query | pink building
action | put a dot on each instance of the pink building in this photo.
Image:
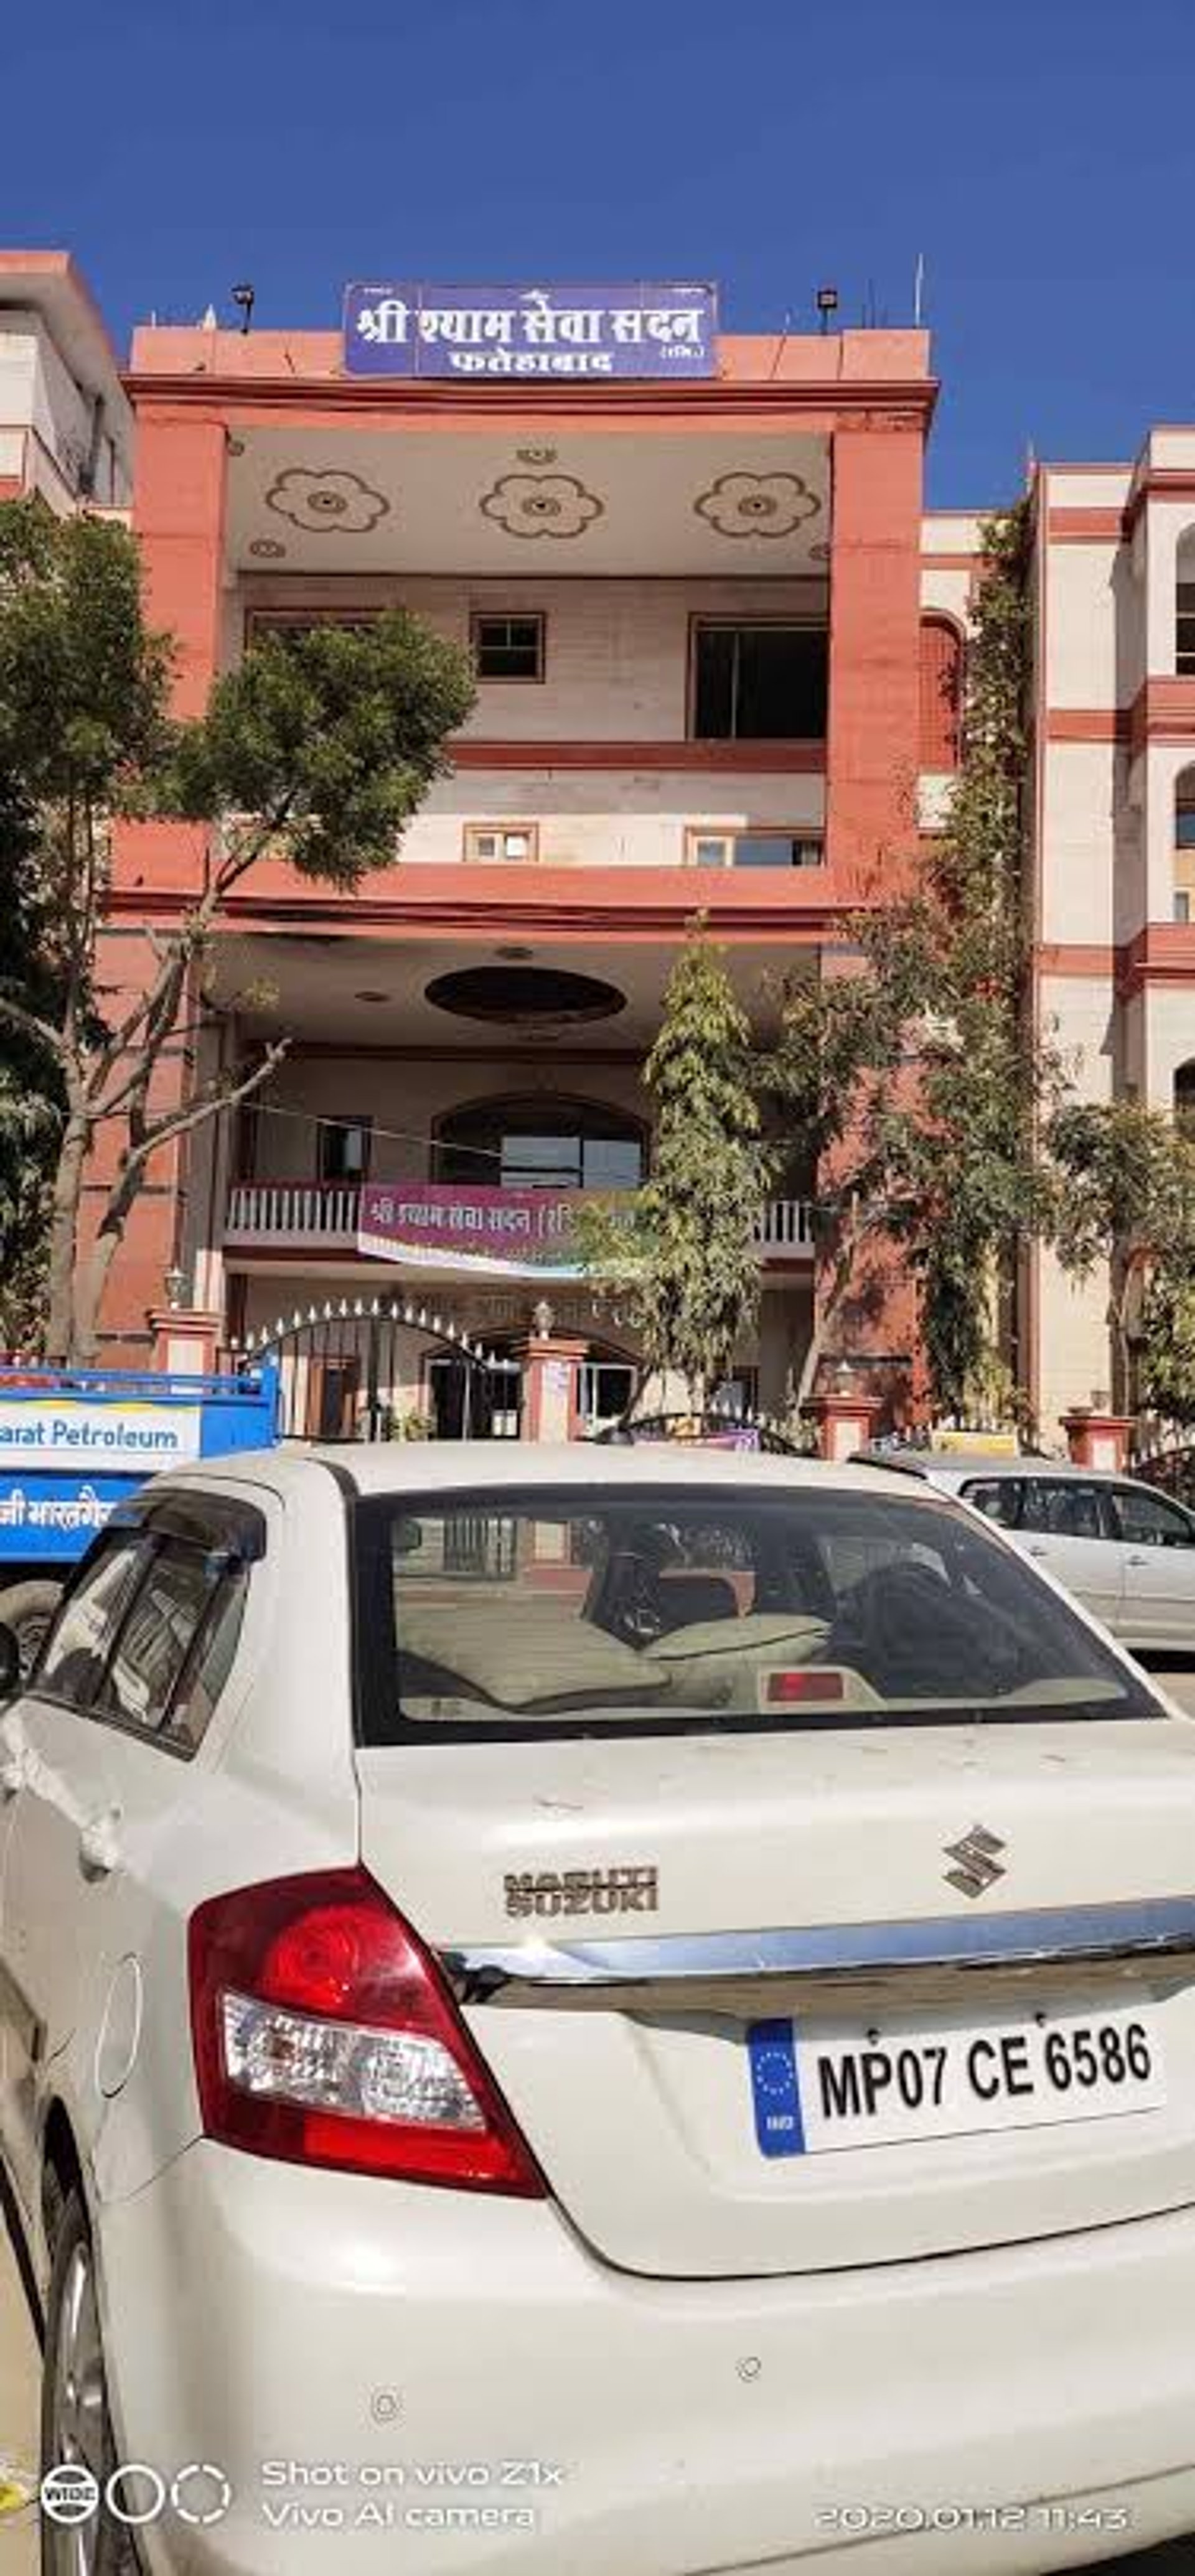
(701, 607)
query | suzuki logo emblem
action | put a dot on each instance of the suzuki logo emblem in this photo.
(978, 1867)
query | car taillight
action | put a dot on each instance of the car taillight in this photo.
(794, 1689)
(324, 2035)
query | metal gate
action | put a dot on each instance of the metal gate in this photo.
(342, 1374)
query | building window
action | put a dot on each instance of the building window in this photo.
(1184, 810)
(344, 1148)
(762, 849)
(502, 842)
(509, 648)
(540, 1144)
(1182, 905)
(941, 694)
(761, 682)
(1184, 635)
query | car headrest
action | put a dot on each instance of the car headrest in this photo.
(688, 1600)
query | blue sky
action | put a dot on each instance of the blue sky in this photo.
(1037, 152)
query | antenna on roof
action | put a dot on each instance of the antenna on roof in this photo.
(918, 289)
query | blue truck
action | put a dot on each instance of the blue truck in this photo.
(75, 1442)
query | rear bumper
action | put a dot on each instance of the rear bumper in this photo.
(393, 2376)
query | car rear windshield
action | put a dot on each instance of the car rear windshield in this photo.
(679, 1609)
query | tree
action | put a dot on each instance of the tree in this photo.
(317, 749)
(1126, 1199)
(30, 1108)
(1166, 1346)
(687, 1248)
(918, 1079)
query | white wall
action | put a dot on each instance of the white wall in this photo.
(617, 652)
(38, 393)
(1078, 845)
(407, 1099)
(1081, 627)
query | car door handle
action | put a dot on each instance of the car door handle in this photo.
(1136, 1560)
(99, 1843)
(1037, 1551)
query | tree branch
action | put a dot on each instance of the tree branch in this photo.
(217, 1095)
(40, 1031)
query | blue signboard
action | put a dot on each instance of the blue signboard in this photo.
(75, 1443)
(500, 331)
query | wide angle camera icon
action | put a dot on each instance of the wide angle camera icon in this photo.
(135, 2494)
(69, 2493)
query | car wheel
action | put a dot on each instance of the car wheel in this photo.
(76, 2429)
(27, 1608)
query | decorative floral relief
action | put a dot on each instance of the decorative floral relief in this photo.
(236, 447)
(757, 505)
(333, 502)
(541, 505)
(536, 455)
(267, 548)
(819, 554)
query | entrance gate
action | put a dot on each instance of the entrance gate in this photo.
(345, 1370)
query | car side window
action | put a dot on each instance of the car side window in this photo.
(176, 1644)
(1066, 1508)
(80, 1640)
(997, 1497)
(1150, 1521)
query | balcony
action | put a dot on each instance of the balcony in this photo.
(323, 1218)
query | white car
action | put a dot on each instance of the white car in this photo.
(598, 2009)
(1123, 1549)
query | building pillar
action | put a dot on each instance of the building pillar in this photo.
(186, 1340)
(843, 1423)
(179, 514)
(871, 776)
(875, 631)
(179, 519)
(1098, 1439)
(551, 1391)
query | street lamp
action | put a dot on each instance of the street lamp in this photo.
(174, 1282)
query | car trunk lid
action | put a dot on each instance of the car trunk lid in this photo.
(646, 1933)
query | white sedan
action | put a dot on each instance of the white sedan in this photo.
(596, 2009)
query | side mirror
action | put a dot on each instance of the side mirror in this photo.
(408, 1537)
(10, 1662)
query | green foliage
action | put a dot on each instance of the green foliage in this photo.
(316, 749)
(1126, 1185)
(915, 1078)
(686, 1248)
(332, 736)
(1166, 1346)
(1125, 1196)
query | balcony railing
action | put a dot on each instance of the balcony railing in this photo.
(313, 1216)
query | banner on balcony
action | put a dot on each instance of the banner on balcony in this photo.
(520, 1234)
(479, 331)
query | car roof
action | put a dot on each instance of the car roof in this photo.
(451, 1466)
(953, 1465)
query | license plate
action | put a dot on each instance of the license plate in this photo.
(817, 2086)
